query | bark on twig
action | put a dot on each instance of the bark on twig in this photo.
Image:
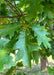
(9, 16)
(14, 3)
(17, 9)
(18, 16)
(12, 8)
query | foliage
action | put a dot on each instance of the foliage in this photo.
(14, 70)
(5, 59)
(50, 70)
(26, 28)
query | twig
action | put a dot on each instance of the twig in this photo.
(10, 16)
(13, 6)
(14, 3)
(18, 16)
(17, 7)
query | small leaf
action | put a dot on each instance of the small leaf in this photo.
(5, 60)
(36, 56)
(9, 30)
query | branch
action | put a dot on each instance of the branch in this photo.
(17, 7)
(9, 16)
(13, 6)
(13, 16)
(14, 3)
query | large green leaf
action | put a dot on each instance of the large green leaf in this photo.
(41, 34)
(24, 52)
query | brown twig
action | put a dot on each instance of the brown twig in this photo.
(10, 16)
(18, 16)
(13, 6)
(14, 3)
(17, 7)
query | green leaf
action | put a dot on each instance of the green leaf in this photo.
(33, 47)
(5, 60)
(33, 6)
(12, 42)
(3, 42)
(36, 56)
(22, 46)
(50, 70)
(41, 34)
(1, 1)
(9, 30)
